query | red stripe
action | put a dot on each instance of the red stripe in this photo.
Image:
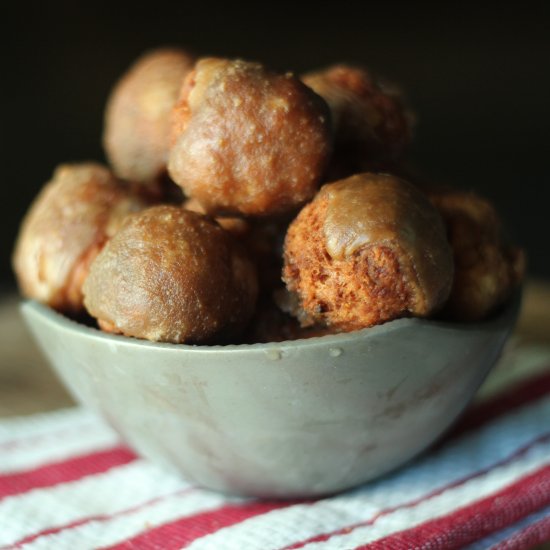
(64, 471)
(95, 519)
(477, 520)
(412, 503)
(517, 396)
(181, 532)
(535, 533)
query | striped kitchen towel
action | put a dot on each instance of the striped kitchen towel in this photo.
(67, 482)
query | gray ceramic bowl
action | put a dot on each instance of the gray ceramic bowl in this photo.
(290, 419)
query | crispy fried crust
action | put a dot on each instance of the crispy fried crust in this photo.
(487, 269)
(366, 250)
(137, 117)
(172, 275)
(247, 140)
(372, 127)
(66, 226)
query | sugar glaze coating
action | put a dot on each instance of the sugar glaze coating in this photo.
(248, 140)
(172, 275)
(366, 250)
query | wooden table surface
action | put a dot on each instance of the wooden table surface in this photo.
(27, 385)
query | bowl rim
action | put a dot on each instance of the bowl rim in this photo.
(505, 317)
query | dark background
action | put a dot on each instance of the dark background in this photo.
(478, 78)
